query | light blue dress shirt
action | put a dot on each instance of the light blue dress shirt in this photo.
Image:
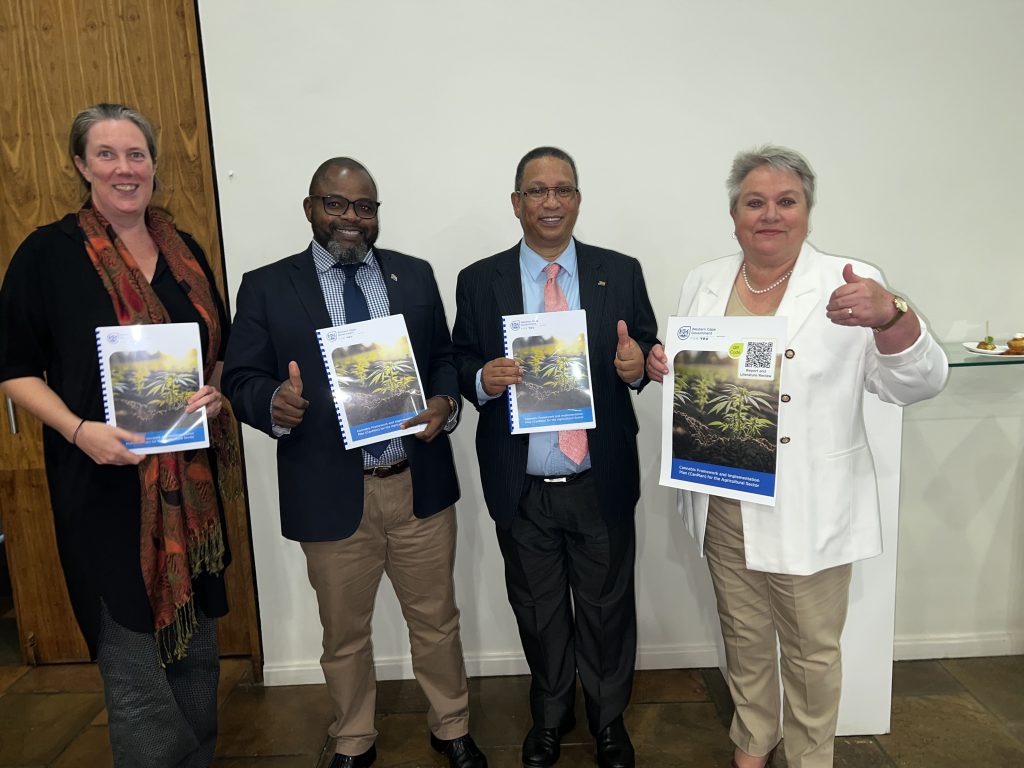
(545, 459)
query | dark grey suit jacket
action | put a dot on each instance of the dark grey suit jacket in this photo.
(279, 308)
(611, 289)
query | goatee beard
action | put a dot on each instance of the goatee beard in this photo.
(354, 254)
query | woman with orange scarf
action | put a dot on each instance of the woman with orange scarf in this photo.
(141, 538)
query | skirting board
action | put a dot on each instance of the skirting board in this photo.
(916, 647)
(907, 648)
(491, 665)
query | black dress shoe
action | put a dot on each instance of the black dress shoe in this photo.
(355, 761)
(614, 749)
(543, 745)
(461, 752)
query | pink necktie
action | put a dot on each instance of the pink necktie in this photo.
(571, 442)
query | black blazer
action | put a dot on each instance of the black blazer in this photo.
(279, 308)
(611, 289)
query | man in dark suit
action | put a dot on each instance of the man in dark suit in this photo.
(563, 503)
(357, 513)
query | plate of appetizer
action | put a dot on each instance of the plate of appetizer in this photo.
(985, 347)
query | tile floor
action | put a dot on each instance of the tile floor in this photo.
(962, 712)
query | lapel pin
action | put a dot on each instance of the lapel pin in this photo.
(601, 283)
(394, 277)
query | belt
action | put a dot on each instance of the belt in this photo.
(561, 478)
(388, 469)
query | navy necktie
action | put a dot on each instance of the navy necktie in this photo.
(356, 310)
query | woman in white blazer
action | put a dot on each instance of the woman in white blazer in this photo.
(783, 573)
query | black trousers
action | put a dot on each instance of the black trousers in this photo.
(159, 717)
(569, 576)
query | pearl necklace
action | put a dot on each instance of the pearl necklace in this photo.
(759, 291)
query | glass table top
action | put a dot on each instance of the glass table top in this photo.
(960, 357)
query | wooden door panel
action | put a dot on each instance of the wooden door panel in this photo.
(46, 629)
(60, 56)
(238, 632)
(24, 449)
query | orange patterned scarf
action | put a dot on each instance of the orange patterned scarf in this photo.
(181, 530)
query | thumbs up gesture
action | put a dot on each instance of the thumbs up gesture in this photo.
(859, 301)
(288, 406)
(629, 358)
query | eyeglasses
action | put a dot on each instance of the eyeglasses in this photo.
(541, 193)
(335, 205)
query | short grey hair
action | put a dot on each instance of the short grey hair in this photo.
(97, 113)
(779, 158)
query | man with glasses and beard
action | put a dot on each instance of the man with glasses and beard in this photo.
(564, 501)
(388, 507)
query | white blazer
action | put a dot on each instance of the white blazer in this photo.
(826, 506)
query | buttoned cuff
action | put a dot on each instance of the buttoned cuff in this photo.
(481, 396)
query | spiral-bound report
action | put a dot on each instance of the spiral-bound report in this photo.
(374, 379)
(148, 373)
(551, 349)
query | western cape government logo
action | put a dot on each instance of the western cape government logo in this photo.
(331, 336)
(683, 333)
(112, 338)
(514, 325)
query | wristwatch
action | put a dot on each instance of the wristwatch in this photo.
(901, 309)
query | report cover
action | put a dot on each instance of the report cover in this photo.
(373, 375)
(551, 348)
(148, 373)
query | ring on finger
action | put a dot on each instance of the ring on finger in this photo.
(849, 311)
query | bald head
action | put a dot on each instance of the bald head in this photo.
(337, 164)
(344, 184)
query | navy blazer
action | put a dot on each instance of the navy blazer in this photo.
(611, 289)
(279, 308)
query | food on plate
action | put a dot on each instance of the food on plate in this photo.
(1016, 344)
(987, 343)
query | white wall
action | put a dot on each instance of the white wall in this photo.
(911, 114)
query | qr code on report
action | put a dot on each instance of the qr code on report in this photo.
(758, 361)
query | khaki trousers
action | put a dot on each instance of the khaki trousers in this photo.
(418, 556)
(807, 615)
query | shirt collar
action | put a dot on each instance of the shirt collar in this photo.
(323, 260)
(533, 264)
